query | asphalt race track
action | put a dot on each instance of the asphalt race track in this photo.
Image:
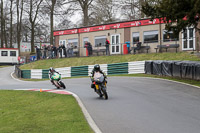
(135, 105)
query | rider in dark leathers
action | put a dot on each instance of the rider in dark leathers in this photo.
(97, 69)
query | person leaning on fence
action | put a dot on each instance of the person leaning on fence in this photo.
(138, 46)
(107, 47)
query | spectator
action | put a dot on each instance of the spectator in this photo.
(128, 45)
(107, 47)
(45, 51)
(54, 51)
(52, 54)
(68, 50)
(37, 52)
(72, 49)
(86, 44)
(89, 48)
(138, 46)
(64, 49)
(49, 51)
(60, 50)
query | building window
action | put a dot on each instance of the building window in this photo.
(4, 53)
(188, 39)
(100, 41)
(74, 41)
(169, 36)
(12, 53)
(62, 42)
(150, 36)
(136, 37)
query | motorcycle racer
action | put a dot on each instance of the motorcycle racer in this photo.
(96, 69)
(51, 72)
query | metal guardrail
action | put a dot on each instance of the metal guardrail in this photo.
(17, 71)
(109, 69)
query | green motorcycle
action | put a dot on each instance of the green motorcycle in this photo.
(56, 78)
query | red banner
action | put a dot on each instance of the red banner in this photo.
(65, 32)
(109, 27)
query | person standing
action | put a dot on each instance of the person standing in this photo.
(64, 50)
(60, 50)
(107, 47)
(128, 46)
(72, 49)
(37, 52)
(89, 48)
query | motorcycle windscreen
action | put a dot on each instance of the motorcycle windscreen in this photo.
(98, 77)
(56, 76)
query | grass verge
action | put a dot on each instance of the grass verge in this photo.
(68, 62)
(40, 112)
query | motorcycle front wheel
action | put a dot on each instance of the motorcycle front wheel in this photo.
(62, 84)
(105, 95)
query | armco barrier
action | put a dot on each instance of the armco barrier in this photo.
(118, 68)
(109, 69)
(36, 73)
(79, 71)
(26, 74)
(45, 74)
(136, 67)
(65, 72)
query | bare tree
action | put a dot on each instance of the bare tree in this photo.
(51, 7)
(2, 24)
(103, 11)
(20, 9)
(84, 5)
(34, 6)
(132, 9)
(11, 22)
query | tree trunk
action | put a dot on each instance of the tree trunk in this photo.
(5, 34)
(140, 8)
(85, 14)
(51, 20)
(19, 22)
(32, 38)
(2, 24)
(11, 18)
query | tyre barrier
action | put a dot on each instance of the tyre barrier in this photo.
(181, 69)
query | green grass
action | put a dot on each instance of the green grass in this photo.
(68, 62)
(40, 112)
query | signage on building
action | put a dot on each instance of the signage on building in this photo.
(109, 26)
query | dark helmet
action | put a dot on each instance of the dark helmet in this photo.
(97, 67)
(51, 69)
